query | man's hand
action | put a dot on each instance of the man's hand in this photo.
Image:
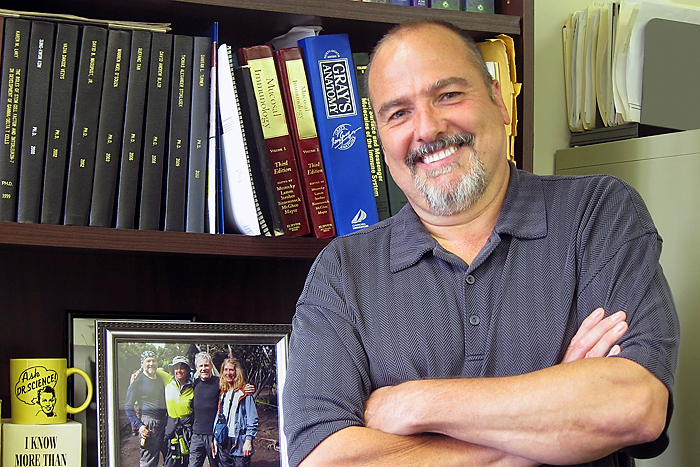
(249, 390)
(144, 431)
(597, 337)
(384, 412)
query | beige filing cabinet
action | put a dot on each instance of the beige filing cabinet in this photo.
(665, 169)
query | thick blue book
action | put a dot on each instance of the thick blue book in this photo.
(333, 88)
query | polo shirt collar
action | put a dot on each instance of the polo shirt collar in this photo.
(409, 239)
(522, 216)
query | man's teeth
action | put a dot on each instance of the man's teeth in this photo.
(430, 158)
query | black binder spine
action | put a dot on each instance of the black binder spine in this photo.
(155, 133)
(199, 118)
(59, 126)
(132, 139)
(178, 134)
(14, 66)
(81, 161)
(36, 105)
(110, 128)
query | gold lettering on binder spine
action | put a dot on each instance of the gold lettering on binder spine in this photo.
(269, 97)
(301, 100)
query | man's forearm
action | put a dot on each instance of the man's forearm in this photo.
(133, 419)
(365, 447)
(569, 413)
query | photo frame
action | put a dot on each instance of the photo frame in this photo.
(261, 349)
(81, 352)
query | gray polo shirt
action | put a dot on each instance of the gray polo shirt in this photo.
(388, 304)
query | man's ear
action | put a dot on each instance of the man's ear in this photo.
(498, 100)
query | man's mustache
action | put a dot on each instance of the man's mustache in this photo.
(437, 145)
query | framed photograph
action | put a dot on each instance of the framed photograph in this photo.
(81, 353)
(128, 352)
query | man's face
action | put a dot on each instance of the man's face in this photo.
(150, 365)
(182, 373)
(441, 130)
(47, 402)
(204, 368)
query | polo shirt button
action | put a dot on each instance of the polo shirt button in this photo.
(474, 320)
(470, 279)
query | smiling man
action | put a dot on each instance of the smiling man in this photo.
(148, 391)
(47, 401)
(501, 318)
(204, 406)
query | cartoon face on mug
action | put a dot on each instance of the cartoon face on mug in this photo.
(47, 401)
(36, 386)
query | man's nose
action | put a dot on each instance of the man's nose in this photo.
(429, 122)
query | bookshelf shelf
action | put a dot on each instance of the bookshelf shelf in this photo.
(377, 12)
(140, 241)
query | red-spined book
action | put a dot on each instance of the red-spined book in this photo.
(300, 116)
(280, 149)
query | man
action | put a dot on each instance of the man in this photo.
(204, 405)
(179, 393)
(471, 328)
(148, 391)
(47, 401)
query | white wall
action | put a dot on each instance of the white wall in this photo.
(551, 128)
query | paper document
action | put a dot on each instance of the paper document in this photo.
(589, 109)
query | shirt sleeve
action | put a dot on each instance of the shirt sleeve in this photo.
(620, 270)
(251, 421)
(131, 395)
(164, 375)
(327, 379)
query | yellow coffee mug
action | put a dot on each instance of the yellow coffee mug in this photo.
(38, 388)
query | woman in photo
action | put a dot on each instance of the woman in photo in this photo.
(178, 401)
(240, 414)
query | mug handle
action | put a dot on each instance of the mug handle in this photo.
(88, 383)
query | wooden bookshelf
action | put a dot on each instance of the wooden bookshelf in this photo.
(47, 270)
